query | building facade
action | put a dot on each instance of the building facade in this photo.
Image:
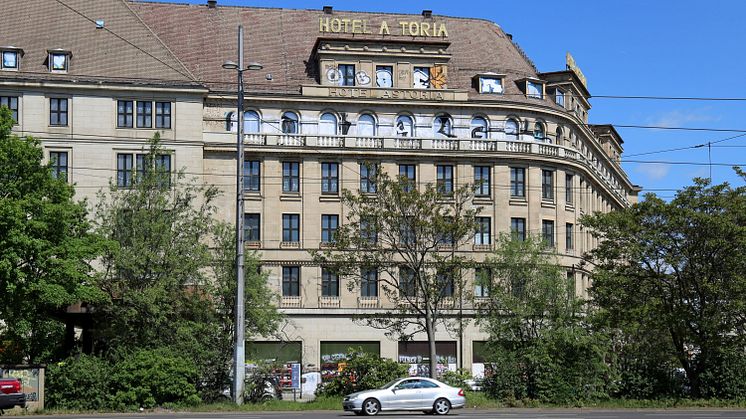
(437, 99)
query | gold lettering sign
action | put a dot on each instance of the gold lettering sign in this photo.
(414, 94)
(574, 67)
(362, 26)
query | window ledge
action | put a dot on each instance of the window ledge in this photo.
(518, 201)
(329, 198)
(548, 204)
(289, 245)
(253, 244)
(482, 247)
(482, 200)
(326, 245)
(290, 197)
(569, 207)
(252, 196)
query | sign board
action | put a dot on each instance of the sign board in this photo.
(32, 380)
(295, 376)
(572, 65)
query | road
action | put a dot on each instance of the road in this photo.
(460, 414)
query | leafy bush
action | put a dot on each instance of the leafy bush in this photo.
(156, 377)
(725, 378)
(456, 378)
(258, 382)
(363, 371)
(82, 382)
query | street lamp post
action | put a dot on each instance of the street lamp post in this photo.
(239, 348)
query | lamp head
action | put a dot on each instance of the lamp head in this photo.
(230, 65)
(253, 66)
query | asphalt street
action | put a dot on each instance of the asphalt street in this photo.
(461, 414)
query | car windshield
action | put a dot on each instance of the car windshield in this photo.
(389, 384)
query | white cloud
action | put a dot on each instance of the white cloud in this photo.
(653, 171)
(679, 118)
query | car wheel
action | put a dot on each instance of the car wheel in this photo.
(442, 407)
(371, 407)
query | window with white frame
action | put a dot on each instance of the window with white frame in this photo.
(59, 61)
(10, 59)
(479, 128)
(442, 126)
(534, 89)
(366, 125)
(289, 123)
(328, 124)
(251, 122)
(404, 126)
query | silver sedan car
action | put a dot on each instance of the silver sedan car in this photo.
(416, 393)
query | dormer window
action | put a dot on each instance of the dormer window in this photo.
(10, 58)
(534, 89)
(490, 85)
(59, 61)
(559, 97)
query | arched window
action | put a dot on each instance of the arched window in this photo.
(251, 122)
(442, 126)
(230, 122)
(404, 126)
(539, 131)
(366, 125)
(289, 123)
(559, 140)
(511, 129)
(479, 128)
(328, 124)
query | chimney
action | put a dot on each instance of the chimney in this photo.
(427, 14)
(327, 10)
(211, 4)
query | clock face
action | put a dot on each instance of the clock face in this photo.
(384, 78)
(334, 76)
(421, 78)
(490, 85)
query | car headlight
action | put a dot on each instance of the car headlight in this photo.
(351, 398)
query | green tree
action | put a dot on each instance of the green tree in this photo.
(409, 237)
(676, 270)
(46, 247)
(541, 346)
(166, 286)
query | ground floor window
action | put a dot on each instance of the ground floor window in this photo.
(334, 355)
(417, 355)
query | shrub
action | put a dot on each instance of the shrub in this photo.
(156, 377)
(363, 371)
(82, 382)
(725, 377)
(456, 378)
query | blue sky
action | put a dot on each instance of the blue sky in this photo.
(676, 48)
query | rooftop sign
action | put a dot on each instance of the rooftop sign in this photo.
(571, 65)
(364, 27)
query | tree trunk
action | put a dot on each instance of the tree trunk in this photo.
(431, 340)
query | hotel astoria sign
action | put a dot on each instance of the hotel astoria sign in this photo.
(364, 27)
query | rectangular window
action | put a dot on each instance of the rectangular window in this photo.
(547, 185)
(291, 227)
(407, 284)
(483, 234)
(559, 97)
(329, 283)
(252, 175)
(568, 189)
(163, 115)
(534, 90)
(445, 283)
(482, 180)
(58, 112)
(58, 62)
(12, 103)
(482, 282)
(368, 231)
(144, 114)
(290, 177)
(290, 281)
(10, 60)
(369, 283)
(569, 242)
(421, 78)
(251, 227)
(547, 232)
(518, 228)
(517, 182)
(444, 179)
(58, 161)
(163, 169)
(330, 178)
(348, 74)
(329, 224)
(368, 173)
(125, 113)
(408, 175)
(124, 170)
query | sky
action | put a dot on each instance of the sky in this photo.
(669, 48)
